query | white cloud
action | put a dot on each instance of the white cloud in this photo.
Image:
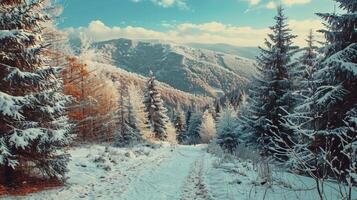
(301, 29)
(168, 3)
(271, 5)
(211, 32)
(253, 2)
(292, 2)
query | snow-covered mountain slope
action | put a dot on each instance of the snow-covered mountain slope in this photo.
(246, 52)
(171, 96)
(191, 70)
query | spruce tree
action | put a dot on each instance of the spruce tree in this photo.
(155, 108)
(188, 116)
(193, 131)
(126, 134)
(207, 128)
(325, 120)
(227, 134)
(336, 92)
(302, 120)
(34, 127)
(271, 95)
(180, 127)
(137, 115)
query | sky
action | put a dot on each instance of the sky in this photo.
(235, 22)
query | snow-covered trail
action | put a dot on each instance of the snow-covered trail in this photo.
(168, 179)
(170, 173)
(141, 174)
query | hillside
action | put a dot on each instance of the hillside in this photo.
(171, 96)
(246, 52)
(197, 71)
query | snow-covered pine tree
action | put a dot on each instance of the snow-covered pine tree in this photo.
(180, 127)
(341, 28)
(271, 94)
(325, 120)
(154, 106)
(337, 91)
(207, 128)
(33, 122)
(188, 115)
(126, 134)
(217, 108)
(193, 131)
(137, 115)
(302, 120)
(227, 135)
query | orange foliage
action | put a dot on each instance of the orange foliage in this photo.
(95, 101)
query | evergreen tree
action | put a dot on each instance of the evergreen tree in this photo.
(126, 133)
(155, 109)
(138, 118)
(180, 126)
(271, 95)
(302, 119)
(188, 116)
(217, 108)
(325, 120)
(341, 30)
(336, 93)
(207, 128)
(193, 131)
(34, 127)
(227, 135)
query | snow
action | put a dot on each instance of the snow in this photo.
(15, 34)
(9, 105)
(172, 172)
(22, 138)
(345, 59)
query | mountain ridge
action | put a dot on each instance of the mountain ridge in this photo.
(197, 71)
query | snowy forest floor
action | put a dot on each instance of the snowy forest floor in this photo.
(170, 173)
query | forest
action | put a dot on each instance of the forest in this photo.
(68, 112)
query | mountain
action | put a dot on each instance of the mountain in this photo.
(171, 96)
(246, 52)
(197, 71)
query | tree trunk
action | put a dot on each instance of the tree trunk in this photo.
(9, 176)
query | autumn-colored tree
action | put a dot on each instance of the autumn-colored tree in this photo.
(94, 101)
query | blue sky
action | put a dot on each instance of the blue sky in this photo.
(207, 21)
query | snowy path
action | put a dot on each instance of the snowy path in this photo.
(167, 180)
(168, 173)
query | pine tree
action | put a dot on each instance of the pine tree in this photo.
(325, 120)
(188, 116)
(180, 126)
(207, 128)
(336, 93)
(341, 30)
(227, 134)
(193, 131)
(137, 115)
(34, 127)
(271, 95)
(155, 108)
(302, 119)
(126, 134)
